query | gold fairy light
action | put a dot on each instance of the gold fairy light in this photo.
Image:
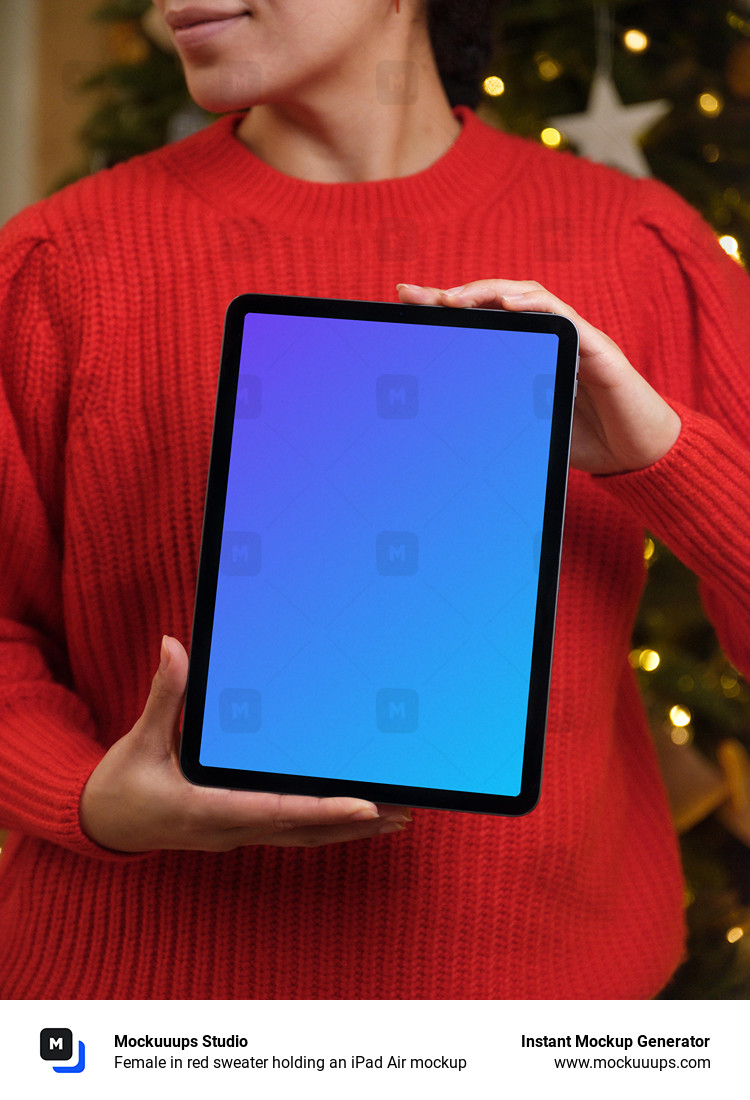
(547, 67)
(680, 716)
(649, 660)
(551, 137)
(710, 103)
(680, 735)
(730, 245)
(635, 41)
(493, 86)
(737, 23)
(735, 934)
(730, 685)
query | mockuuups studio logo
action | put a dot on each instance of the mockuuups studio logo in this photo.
(397, 81)
(56, 1045)
(397, 710)
(397, 396)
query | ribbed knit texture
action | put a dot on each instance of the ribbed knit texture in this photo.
(113, 296)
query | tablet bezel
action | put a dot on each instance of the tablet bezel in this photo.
(549, 564)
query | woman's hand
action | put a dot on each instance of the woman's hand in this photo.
(620, 422)
(137, 799)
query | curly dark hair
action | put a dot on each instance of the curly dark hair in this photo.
(461, 32)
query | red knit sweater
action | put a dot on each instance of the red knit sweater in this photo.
(113, 295)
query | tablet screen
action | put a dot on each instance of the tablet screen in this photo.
(372, 588)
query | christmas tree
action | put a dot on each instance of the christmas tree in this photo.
(657, 87)
(662, 88)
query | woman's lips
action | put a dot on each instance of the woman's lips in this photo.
(194, 35)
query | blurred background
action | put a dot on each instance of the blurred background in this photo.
(45, 49)
(657, 87)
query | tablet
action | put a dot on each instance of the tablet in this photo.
(379, 565)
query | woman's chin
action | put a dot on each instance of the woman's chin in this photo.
(227, 93)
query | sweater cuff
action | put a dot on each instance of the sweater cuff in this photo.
(44, 800)
(695, 499)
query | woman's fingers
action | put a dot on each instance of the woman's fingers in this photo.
(621, 423)
(265, 809)
(599, 351)
(156, 728)
(281, 820)
(488, 293)
(137, 799)
(314, 836)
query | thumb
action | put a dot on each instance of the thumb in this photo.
(161, 714)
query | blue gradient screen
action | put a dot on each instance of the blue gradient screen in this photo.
(378, 577)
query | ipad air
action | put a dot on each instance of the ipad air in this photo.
(380, 556)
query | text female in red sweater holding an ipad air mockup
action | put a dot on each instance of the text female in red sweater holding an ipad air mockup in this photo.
(113, 296)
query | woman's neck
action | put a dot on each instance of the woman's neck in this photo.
(398, 124)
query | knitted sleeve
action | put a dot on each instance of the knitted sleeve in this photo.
(697, 497)
(47, 744)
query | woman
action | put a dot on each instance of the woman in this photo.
(350, 174)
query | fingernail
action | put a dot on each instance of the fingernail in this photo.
(164, 655)
(367, 813)
(408, 286)
(401, 817)
(391, 827)
(456, 289)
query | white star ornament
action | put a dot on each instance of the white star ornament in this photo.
(608, 131)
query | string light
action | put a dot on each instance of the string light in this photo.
(710, 103)
(680, 733)
(730, 245)
(551, 137)
(735, 934)
(649, 547)
(493, 86)
(649, 660)
(635, 40)
(547, 67)
(711, 153)
(737, 23)
(730, 685)
(680, 716)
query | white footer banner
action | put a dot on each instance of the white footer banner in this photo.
(329, 1049)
